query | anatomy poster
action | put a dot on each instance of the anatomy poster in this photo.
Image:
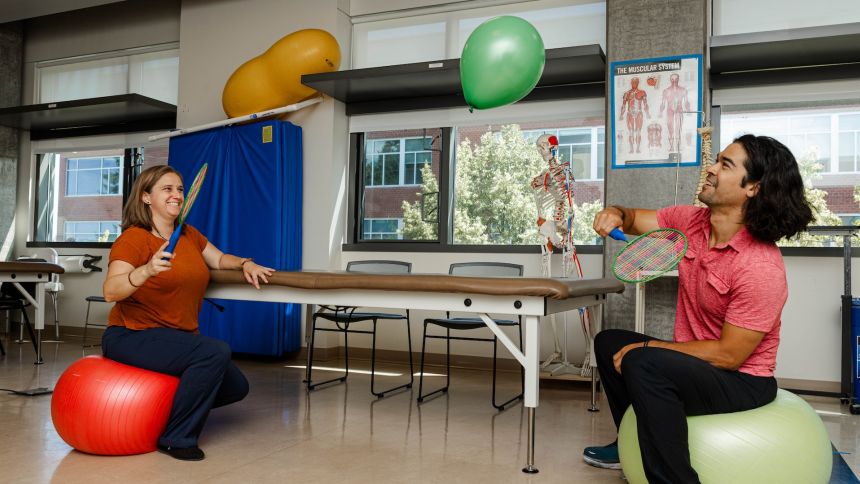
(656, 109)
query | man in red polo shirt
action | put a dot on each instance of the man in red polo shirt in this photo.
(732, 289)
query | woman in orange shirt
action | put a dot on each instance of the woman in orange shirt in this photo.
(158, 295)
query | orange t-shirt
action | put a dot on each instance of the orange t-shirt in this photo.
(171, 299)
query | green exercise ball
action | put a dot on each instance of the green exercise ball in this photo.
(783, 441)
(502, 61)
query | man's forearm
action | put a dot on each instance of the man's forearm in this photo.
(712, 351)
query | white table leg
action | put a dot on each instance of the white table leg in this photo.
(532, 368)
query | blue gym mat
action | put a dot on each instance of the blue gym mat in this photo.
(842, 474)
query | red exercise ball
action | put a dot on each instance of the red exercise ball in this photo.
(103, 407)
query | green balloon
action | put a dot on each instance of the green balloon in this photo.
(502, 61)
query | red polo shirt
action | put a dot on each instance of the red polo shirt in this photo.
(741, 282)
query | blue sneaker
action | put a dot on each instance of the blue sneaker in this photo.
(605, 457)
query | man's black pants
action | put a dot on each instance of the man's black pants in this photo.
(207, 377)
(665, 386)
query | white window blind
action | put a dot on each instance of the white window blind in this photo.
(744, 16)
(424, 36)
(152, 74)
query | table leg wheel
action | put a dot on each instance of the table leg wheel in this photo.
(530, 469)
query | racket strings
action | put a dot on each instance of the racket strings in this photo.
(657, 253)
(192, 193)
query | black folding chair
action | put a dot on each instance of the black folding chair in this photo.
(343, 317)
(11, 300)
(482, 269)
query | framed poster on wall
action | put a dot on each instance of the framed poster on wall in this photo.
(656, 108)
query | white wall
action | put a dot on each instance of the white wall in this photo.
(216, 38)
(811, 333)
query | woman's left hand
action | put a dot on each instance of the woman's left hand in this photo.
(254, 273)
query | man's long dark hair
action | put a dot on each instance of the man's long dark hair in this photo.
(779, 208)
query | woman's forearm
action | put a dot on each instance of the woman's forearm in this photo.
(232, 262)
(122, 285)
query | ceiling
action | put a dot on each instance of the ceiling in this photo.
(11, 10)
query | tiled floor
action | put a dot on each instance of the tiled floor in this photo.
(281, 433)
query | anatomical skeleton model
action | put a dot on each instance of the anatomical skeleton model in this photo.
(553, 192)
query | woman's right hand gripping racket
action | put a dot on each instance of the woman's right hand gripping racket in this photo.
(187, 203)
(648, 256)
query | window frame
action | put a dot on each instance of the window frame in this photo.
(380, 219)
(130, 167)
(100, 222)
(446, 213)
(401, 160)
(101, 170)
(716, 119)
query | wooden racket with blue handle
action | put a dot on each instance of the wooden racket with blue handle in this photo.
(186, 206)
(648, 256)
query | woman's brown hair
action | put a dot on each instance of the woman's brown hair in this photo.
(136, 213)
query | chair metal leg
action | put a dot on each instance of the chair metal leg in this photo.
(309, 366)
(422, 397)
(421, 367)
(26, 322)
(409, 342)
(310, 384)
(20, 332)
(84, 345)
(56, 317)
(373, 365)
(501, 406)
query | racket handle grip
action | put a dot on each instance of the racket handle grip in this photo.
(171, 244)
(617, 234)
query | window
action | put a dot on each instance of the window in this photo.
(494, 203)
(396, 161)
(93, 176)
(381, 229)
(80, 194)
(824, 139)
(849, 142)
(583, 148)
(398, 167)
(91, 231)
(416, 156)
(406, 191)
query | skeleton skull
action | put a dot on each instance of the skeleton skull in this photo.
(547, 146)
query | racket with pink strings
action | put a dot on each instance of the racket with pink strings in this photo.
(648, 256)
(186, 206)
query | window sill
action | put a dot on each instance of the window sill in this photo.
(400, 246)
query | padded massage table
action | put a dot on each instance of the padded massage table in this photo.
(528, 297)
(14, 273)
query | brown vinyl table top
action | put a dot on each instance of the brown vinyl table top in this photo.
(496, 286)
(29, 267)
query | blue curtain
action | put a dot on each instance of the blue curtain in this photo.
(250, 205)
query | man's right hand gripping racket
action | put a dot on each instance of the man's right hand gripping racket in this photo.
(648, 256)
